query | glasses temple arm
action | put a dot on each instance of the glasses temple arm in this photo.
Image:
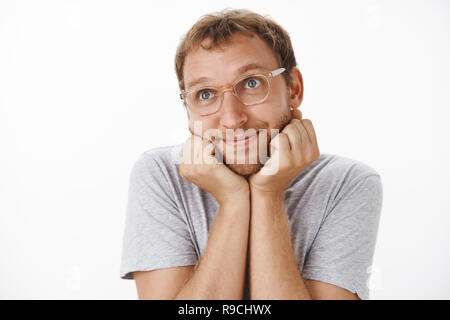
(277, 72)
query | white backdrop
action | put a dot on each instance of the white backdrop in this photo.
(87, 86)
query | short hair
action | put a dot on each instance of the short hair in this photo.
(219, 26)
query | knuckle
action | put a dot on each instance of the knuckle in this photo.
(296, 121)
(308, 123)
(288, 129)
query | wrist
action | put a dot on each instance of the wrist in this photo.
(274, 195)
(236, 198)
(267, 203)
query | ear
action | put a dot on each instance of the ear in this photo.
(187, 113)
(296, 88)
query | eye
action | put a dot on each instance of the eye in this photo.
(252, 83)
(204, 95)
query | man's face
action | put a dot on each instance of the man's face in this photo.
(220, 68)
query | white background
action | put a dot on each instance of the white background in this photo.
(87, 86)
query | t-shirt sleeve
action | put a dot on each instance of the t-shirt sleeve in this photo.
(156, 234)
(342, 252)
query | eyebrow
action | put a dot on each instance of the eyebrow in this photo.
(242, 69)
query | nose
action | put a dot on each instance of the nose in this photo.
(233, 114)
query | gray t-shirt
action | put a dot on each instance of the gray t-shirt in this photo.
(333, 206)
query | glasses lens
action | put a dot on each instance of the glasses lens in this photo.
(203, 101)
(252, 89)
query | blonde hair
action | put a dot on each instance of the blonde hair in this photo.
(219, 26)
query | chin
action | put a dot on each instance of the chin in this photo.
(245, 169)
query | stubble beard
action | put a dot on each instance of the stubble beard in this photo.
(263, 152)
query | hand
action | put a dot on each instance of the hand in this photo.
(292, 150)
(200, 166)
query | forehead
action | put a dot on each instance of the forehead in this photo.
(225, 62)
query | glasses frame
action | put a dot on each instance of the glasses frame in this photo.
(267, 75)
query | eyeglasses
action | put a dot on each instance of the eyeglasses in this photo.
(250, 90)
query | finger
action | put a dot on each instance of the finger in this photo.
(188, 153)
(280, 143)
(271, 166)
(312, 133)
(302, 131)
(297, 114)
(212, 134)
(294, 137)
(198, 147)
(208, 153)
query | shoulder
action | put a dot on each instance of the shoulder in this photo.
(334, 176)
(162, 162)
(351, 179)
(345, 168)
(167, 156)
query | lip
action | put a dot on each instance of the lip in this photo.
(241, 143)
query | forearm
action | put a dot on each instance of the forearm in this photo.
(220, 273)
(273, 271)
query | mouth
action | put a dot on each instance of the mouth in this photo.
(241, 141)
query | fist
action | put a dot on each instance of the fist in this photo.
(200, 166)
(292, 150)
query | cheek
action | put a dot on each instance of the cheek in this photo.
(277, 106)
(269, 113)
(200, 125)
(280, 93)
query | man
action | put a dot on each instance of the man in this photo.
(276, 219)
